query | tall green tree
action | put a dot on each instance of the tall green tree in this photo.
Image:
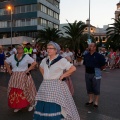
(74, 32)
(113, 33)
(49, 34)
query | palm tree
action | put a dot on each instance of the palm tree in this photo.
(74, 32)
(49, 34)
(113, 33)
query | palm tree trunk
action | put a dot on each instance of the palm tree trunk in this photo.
(73, 44)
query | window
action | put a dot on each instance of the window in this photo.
(17, 9)
(34, 7)
(34, 21)
(28, 8)
(3, 24)
(56, 16)
(8, 23)
(56, 3)
(4, 12)
(50, 12)
(28, 21)
(0, 24)
(56, 26)
(43, 22)
(23, 22)
(43, 8)
(50, 24)
(18, 23)
(22, 9)
(1, 11)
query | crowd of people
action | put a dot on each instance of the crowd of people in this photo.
(53, 101)
(76, 57)
(112, 57)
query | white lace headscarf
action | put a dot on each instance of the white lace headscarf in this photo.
(56, 46)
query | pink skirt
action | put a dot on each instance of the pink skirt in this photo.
(70, 84)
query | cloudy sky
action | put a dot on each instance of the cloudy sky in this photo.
(101, 11)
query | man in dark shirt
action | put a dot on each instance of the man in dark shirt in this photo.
(93, 62)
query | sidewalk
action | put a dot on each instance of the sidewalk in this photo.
(109, 106)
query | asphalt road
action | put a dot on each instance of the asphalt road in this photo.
(109, 105)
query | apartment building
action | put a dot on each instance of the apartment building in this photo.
(28, 16)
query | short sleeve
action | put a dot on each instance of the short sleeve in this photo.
(42, 63)
(9, 59)
(14, 50)
(65, 64)
(64, 55)
(29, 59)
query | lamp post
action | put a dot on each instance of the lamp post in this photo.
(10, 8)
(89, 40)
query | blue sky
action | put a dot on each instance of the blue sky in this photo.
(101, 11)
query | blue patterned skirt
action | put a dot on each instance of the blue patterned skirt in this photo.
(47, 111)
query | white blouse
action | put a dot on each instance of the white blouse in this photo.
(55, 70)
(23, 65)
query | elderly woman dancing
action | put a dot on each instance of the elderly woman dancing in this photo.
(54, 100)
(21, 88)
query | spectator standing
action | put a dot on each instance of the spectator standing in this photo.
(69, 54)
(79, 57)
(93, 62)
(112, 57)
(34, 53)
(2, 58)
(43, 53)
(28, 49)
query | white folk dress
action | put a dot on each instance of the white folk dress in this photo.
(21, 88)
(53, 90)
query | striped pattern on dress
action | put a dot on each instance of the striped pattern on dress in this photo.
(21, 81)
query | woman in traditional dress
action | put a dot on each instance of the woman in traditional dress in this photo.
(54, 100)
(21, 88)
(68, 79)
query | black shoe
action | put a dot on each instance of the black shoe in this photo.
(95, 106)
(87, 104)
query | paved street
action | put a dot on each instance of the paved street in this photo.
(109, 106)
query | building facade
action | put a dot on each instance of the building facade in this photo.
(96, 32)
(117, 12)
(28, 16)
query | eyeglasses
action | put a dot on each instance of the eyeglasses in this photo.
(50, 48)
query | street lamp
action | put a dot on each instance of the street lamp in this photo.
(89, 40)
(10, 8)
